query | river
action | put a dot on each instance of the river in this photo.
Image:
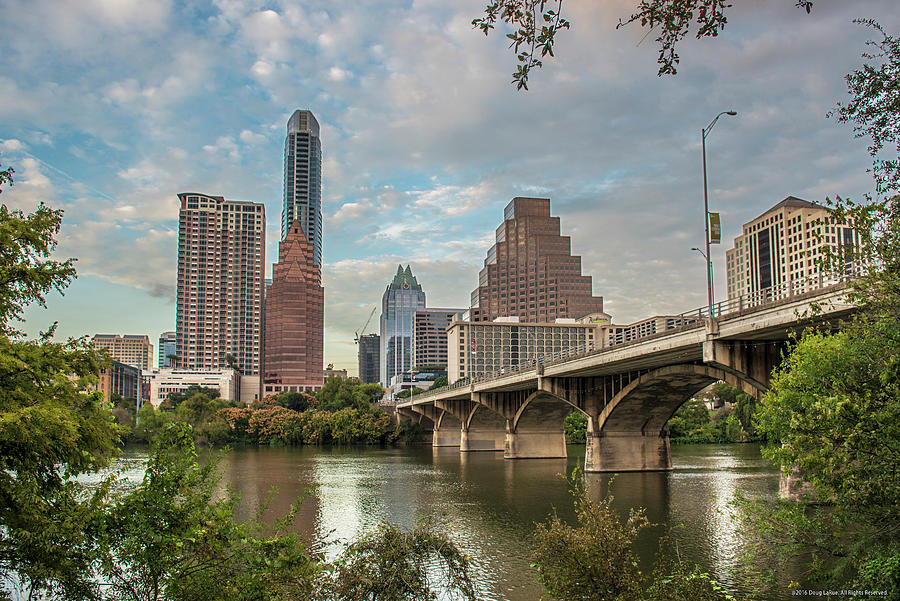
(490, 505)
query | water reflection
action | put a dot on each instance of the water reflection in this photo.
(490, 505)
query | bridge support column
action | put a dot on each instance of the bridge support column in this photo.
(477, 439)
(627, 452)
(535, 444)
(446, 437)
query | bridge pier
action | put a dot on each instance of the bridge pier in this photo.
(477, 439)
(627, 452)
(549, 443)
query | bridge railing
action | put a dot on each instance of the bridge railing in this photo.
(781, 291)
(751, 300)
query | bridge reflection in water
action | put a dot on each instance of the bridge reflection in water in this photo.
(490, 506)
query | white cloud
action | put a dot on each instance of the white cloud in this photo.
(11, 145)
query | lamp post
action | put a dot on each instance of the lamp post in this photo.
(709, 281)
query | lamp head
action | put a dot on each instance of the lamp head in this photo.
(732, 113)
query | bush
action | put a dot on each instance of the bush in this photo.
(576, 428)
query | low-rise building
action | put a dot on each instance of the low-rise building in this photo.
(227, 381)
(478, 349)
(618, 334)
(123, 380)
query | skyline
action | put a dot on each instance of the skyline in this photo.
(425, 141)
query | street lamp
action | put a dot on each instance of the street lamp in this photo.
(709, 281)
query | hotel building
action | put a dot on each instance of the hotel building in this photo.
(782, 247)
(530, 271)
(478, 349)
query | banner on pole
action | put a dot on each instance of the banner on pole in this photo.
(715, 229)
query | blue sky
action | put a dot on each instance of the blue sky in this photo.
(109, 108)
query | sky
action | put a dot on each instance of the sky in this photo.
(110, 108)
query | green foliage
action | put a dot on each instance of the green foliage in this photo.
(534, 29)
(733, 422)
(338, 393)
(390, 564)
(175, 537)
(409, 432)
(594, 559)
(534, 26)
(295, 401)
(26, 272)
(150, 422)
(51, 428)
(576, 428)
(174, 399)
(676, 579)
(439, 382)
(833, 408)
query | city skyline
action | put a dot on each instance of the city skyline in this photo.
(427, 141)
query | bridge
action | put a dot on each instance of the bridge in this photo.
(628, 391)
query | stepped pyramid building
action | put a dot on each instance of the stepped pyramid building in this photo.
(530, 272)
(294, 318)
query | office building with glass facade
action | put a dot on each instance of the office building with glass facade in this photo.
(401, 299)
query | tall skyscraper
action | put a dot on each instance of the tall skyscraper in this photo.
(530, 271)
(402, 297)
(369, 358)
(221, 253)
(167, 350)
(131, 349)
(295, 316)
(784, 245)
(303, 180)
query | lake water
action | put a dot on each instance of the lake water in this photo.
(490, 505)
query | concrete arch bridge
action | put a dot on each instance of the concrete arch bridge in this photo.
(628, 392)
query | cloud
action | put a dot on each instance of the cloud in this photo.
(11, 145)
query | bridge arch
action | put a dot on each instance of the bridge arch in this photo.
(631, 430)
(647, 403)
(542, 402)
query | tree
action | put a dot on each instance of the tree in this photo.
(439, 382)
(535, 24)
(834, 406)
(51, 427)
(175, 537)
(390, 564)
(593, 559)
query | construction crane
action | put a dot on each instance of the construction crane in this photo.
(363, 329)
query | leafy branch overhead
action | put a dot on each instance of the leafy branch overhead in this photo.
(535, 27)
(534, 30)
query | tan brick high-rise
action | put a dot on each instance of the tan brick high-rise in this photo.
(221, 252)
(530, 271)
(294, 318)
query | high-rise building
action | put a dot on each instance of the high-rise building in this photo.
(167, 352)
(369, 358)
(402, 297)
(221, 253)
(294, 319)
(131, 349)
(430, 339)
(782, 247)
(303, 180)
(530, 271)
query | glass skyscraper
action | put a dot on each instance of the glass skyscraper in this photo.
(303, 180)
(402, 297)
